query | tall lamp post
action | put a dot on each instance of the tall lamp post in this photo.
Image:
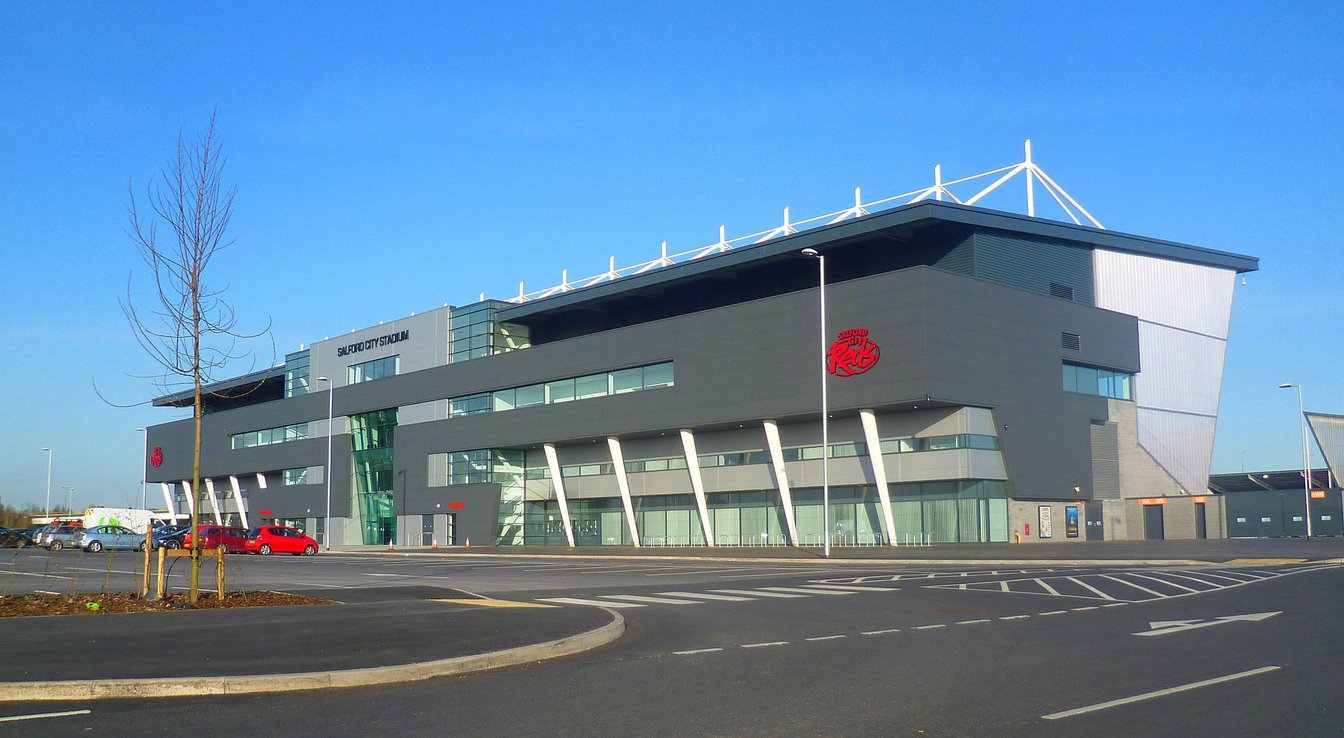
(48, 483)
(144, 459)
(69, 500)
(825, 414)
(1306, 454)
(326, 474)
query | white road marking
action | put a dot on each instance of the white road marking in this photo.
(880, 632)
(1135, 586)
(581, 601)
(802, 590)
(1047, 587)
(698, 650)
(776, 572)
(652, 600)
(1053, 612)
(41, 715)
(1158, 693)
(929, 627)
(1089, 587)
(1080, 609)
(1163, 581)
(1014, 617)
(971, 622)
(825, 638)
(707, 596)
(757, 593)
(853, 588)
(763, 645)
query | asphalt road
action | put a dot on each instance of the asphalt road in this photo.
(854, 648)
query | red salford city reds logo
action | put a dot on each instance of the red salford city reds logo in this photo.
(852, 353)
(156, 458)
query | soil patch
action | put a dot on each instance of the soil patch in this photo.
(99, 603)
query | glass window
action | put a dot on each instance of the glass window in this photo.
(295, 476)
(503, 400)
(375, 369)
(593, 385)
(533, 394)
(627, 380)
(658, 375)
(561, 390)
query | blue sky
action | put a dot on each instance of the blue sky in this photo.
(391, 158)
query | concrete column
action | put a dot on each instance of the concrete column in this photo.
(558, 483)
(618, 463)
(191, 498)
(697, 483)
(214, 501)
(874, 443)
(238, 498)
(781, 479)
(168, 500)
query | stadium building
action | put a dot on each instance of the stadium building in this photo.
(988, 377)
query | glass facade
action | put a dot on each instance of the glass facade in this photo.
(295, 476)
(634, 379)
(268, 436)
(371, 370)
(296, 374)
(474, 332)
(1091, 380)
(371, 440)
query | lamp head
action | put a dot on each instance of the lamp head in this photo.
(809, 252)
(323, 379)
(1286, 385)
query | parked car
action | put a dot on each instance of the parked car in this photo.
(110, 537)
(280, 539)
(170, 536)
(15, 539)
(234, 540)
(60, 537)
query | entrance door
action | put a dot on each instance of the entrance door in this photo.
(1201, 525)
(1092, 522)
(1152, 522)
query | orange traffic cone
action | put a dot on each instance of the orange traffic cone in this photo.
(468, 543)
(436, 544)
(391, 547)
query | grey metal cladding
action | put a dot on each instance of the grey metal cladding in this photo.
(1105, 461)
(1030, 263)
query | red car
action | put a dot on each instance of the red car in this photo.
(270, 539)
(234, 540)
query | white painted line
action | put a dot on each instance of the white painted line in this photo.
(1205, 582)
(1047, 587)
(1164, 581)
(756, 593)
(802, 590)
(1015, 617)
(698, 650)
(825, 638)
(1080, 609)
(1053, 612)
(763, 645)
(652, 600)
(929, 627)
(1159, 595)
(1116, 604)
(1089, 587)
(1158, 693)
(580, 601)
(1239, 576)
(972, 622)
(41, 715)
(623, 570)
(706, 596)
(853, 588)
(880, 632)
(1003, 586)
(1223, 576)
(777, 572)
(692, 570)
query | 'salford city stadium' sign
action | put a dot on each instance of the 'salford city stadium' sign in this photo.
(372, 343)
(852, 353)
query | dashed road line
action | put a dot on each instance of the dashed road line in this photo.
(43, 715)
(806, 591)
(1053, 612)
(755, 593)
(929, 627)
(1014, 617)
(825, 638)
(707, 596)
(880, 632)
(695, 651)
(651, 600)
(972, 622)
(581, 601)
(765, 645)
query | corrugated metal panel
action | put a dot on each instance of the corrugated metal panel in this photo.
(1181, 443)
(1040, 266)
(1182, 371)
(1105, 461)
(960, 259)
(1189, 296)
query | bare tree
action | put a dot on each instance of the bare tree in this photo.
(190, 331)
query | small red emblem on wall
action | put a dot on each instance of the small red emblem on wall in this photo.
(852, 353)
(156, 457)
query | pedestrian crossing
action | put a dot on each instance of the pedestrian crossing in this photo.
(1127, 586)
(716, 595)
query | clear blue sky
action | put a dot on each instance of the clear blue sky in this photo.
(394, 157)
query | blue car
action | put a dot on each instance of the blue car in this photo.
(111, 538)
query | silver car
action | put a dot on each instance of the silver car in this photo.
(111, 538)
(59, 536)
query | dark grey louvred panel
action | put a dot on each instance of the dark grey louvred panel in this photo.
(1046, 267)
(1105, 461)
(1070, 341)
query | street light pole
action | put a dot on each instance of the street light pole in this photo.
(825, 414)
(48, 483)
(144, 459)
(1306, 454)
(326, 474)
(69, 500)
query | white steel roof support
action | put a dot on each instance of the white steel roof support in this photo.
(191, 497)
(874, 443)
(558, 483)
(214, 501)
(238, 498)
(168, 500)
(697, 483)
(781, 478)
(618, 463)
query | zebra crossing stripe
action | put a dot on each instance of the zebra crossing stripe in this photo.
(756, 593)
(1135, 586)
(653, 600)
(806, 591)
(581, 601)
(706, 596)
(851, 587)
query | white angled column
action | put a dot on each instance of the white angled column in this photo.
(238, 497)
(191, 497)
(874, 443)
(697, 483)
(618, 463)
(558, 483)
(214, 501)
(781, 479)
(168, 500)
